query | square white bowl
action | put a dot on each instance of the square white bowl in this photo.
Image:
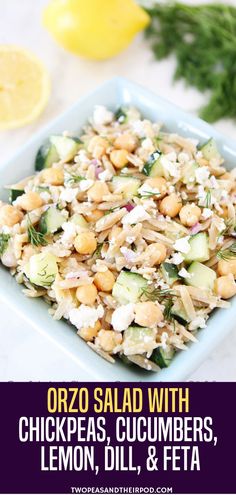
(92, 367)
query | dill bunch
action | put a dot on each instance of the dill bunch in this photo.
(203, 39)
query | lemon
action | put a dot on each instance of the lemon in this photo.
(24, 87)
(95, 29)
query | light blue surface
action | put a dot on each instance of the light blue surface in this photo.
(114, 93)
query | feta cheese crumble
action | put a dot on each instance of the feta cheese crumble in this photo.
(198, 322)
(122, 317)
(68, 194)
(102, 116)
(183, 245)
(202, 174)
(85, 184)
(85, 316)
(183, 273)
(206, 213)
(138, 214)
(177, 259)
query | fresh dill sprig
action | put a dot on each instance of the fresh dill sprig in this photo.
(148, 194)
(167, 311)
(97, 253)
(229, 225)
(203, 40)
(72, 178)
(208, 199)
(4, 239)
(227, 253)
(35, 238)
(152, 293)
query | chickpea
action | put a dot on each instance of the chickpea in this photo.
(97, 191)
(227, 267)
(158, 183)
(189, 214)
(86, 294)
(126, 141)
(119, 158)
(85, 243)
(30, 201)
(53, 176)
(98, 146)
(10, 215)
(171, 205)
(89, 333)
(94, 215)
(147, 314)
(225, 286)
(108, 339)
(155, 253)
(104, 281)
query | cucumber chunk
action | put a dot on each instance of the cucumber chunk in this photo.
(210, 150)
(163, 357)
(80, 221)
(138, 340)
(199, 250)
(189, 173)
(125, 184)
(178, 312)
(66, 147)
(51, 221)
(42, 269)
(153, 166)
(46, 156)
(202, 276)
(170, 272)
(14, 194)
(128, 287)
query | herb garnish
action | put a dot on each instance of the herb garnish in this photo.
(154, 294)
(148, 194)
(4, 238)
(73, 178)
(227, 253)
(203, 39)
(35, 238)
(167, 311)
(208, 199)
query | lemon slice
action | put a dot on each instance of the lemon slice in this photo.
(24, 87)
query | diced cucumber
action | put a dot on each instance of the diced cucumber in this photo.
(170, 272)
(125, 184)
(51, 221)
(153, 166)
(210, 150)
(40, 189)
(178, 312)
(199, 250)
(201, 277)
(42, 269)
(66, 147)
(163, 357)
(79, 220)
(128, 287)
(189, 172)
(46, 156)
(14, 194)
(138, 340)
(121, 115)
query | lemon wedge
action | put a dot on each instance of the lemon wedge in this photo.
(24, 87)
